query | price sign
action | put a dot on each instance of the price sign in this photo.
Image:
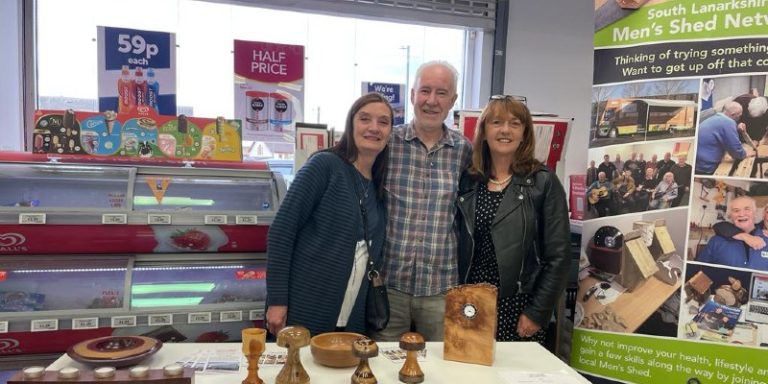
(136, 44)
(199, 317)
(85, 323)
(43, 325)
(158, 219)
(227, 316)
(123, 321)
(215, 219)
(114, 218)
(32, 218)
(256, 314)
(246, 220)
(162, 319)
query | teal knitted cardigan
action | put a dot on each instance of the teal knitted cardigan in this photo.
(311, 245)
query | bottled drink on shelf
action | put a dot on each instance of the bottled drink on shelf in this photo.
(126, 91)
(153, 90)
(141, 87)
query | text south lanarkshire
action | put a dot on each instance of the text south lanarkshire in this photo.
(698, 9)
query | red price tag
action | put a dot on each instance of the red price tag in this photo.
(3, 275)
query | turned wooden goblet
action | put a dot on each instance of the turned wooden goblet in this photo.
(412, 343)
(364, 348)
(293, 338)
(254, 343)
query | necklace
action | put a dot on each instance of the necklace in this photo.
(363, 185)
(499, 183)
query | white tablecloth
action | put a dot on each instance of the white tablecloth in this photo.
(511, 359)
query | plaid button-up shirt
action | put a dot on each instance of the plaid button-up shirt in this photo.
(420, 250)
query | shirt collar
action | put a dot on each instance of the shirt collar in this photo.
(445, 139)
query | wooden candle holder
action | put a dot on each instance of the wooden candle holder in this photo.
(293, 338)
(121, 376)
(364, 348)
(412, 343)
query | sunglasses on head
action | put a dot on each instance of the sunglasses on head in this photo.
(521, 99)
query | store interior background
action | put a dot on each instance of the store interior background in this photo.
(548, 59)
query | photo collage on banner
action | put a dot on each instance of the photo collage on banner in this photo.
(673, 273)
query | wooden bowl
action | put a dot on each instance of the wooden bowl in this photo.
(116, 351)
(334, 349)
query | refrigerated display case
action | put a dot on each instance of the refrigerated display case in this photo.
(91, 250)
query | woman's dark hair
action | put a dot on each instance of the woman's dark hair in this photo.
(524, 161)
(347, 149)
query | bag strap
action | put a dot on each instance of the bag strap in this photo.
(372, 272)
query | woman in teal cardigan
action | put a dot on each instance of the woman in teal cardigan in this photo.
(316, 253)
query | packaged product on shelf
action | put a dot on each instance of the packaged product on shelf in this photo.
(140, 133)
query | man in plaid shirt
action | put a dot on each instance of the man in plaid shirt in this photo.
(425, 164)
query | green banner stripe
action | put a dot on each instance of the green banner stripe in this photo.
(671, 21)
(643, 359)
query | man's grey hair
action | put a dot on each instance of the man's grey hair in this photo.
(444, 64)
(758, 106)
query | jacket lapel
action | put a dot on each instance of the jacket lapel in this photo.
(466, 204)
(512, 200)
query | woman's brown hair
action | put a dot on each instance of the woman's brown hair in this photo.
(524, 161)
(347, 149)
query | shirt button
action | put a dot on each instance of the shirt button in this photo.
(461, 199)
(520, 197)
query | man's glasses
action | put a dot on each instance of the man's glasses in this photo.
(521, 99)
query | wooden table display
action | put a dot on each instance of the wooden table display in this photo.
(470, 323)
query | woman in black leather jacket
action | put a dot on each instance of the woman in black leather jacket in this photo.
(513, 222)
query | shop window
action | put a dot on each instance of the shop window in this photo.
(341, 52)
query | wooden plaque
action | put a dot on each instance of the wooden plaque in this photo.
(470, 324)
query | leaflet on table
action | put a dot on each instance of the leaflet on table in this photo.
(222, 360)
(512, 376)
(397, 355)
(140, 133)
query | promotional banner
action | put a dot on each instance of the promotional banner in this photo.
(673, 274)
(395, 94)
(269, 96)
(137, 70)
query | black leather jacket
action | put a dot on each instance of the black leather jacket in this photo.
(531, 235)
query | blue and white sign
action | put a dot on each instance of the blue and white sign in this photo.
(137, 69)
(395, 93)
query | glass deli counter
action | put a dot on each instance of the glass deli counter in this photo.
(91, 250)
